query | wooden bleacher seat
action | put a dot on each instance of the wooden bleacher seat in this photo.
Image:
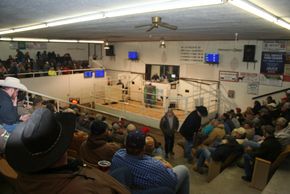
(264, 170)
(216, 167)
(9, 174)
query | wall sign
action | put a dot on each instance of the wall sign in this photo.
(230, 76)
(275, 45)
(271, 80)
(191, 54)
(286, 76)
(272, 63)
(253, 88)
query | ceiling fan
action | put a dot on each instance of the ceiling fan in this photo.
(156, 22)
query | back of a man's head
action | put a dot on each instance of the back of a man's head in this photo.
(135, 142)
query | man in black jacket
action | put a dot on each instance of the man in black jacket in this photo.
(189, 127)
(269, 150)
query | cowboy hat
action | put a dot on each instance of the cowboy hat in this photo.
(12, 82)
(41, 141)
(202, 110)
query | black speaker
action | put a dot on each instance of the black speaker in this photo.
(110, 51)
(249, 53)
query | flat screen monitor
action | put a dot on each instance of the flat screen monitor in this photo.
(88, 74)
(100, 73)
(133, 55)
(213, 58)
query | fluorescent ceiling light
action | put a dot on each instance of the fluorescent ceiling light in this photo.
(6, 32)
(247, 6)
(5, 39)
(91, 41)
(76, 20)
(283, 24)
(49, 40)
(31, 39)
(30, 28)
(159, 6)
(62, 40)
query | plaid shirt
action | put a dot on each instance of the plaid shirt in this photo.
(147, 172)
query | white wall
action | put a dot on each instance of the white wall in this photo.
(150, 53)
(67, 86)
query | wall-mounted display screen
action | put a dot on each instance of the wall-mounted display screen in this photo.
(212, 58)
(133, 55)
(88, 74)
(100, 73)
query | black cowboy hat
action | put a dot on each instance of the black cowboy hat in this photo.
(41, 141)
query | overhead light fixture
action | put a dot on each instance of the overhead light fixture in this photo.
(106, 45)
(162, 44)
(50, 40)
(5, 39)
(35, 27)
(258, 11)
(30, 39)
(92, 41)
(160, 5)
(62, 40)
(283, 24)
(76, 20)
(6, 31)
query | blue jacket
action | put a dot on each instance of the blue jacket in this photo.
(8, 112)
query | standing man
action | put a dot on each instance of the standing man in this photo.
(189, 127)
(8, 103)
(149, 95)
(169, 124)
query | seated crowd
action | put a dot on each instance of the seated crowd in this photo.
(260, 131)
(60, 152)
(46, 61)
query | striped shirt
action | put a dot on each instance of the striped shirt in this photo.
(147, 172)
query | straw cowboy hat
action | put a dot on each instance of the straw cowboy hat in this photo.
(41, 141)
(12, 82)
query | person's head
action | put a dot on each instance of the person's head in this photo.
(149, 145)
(37, 101)
(268, 130)
(202, 111)
(285, 106)
(98, 128)
(11, 86)
(135, 142)
(100, 117)
(238, 110)
(280, 123)
(130, 127)
(40, 142)
(239, 133)
(269, 99)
